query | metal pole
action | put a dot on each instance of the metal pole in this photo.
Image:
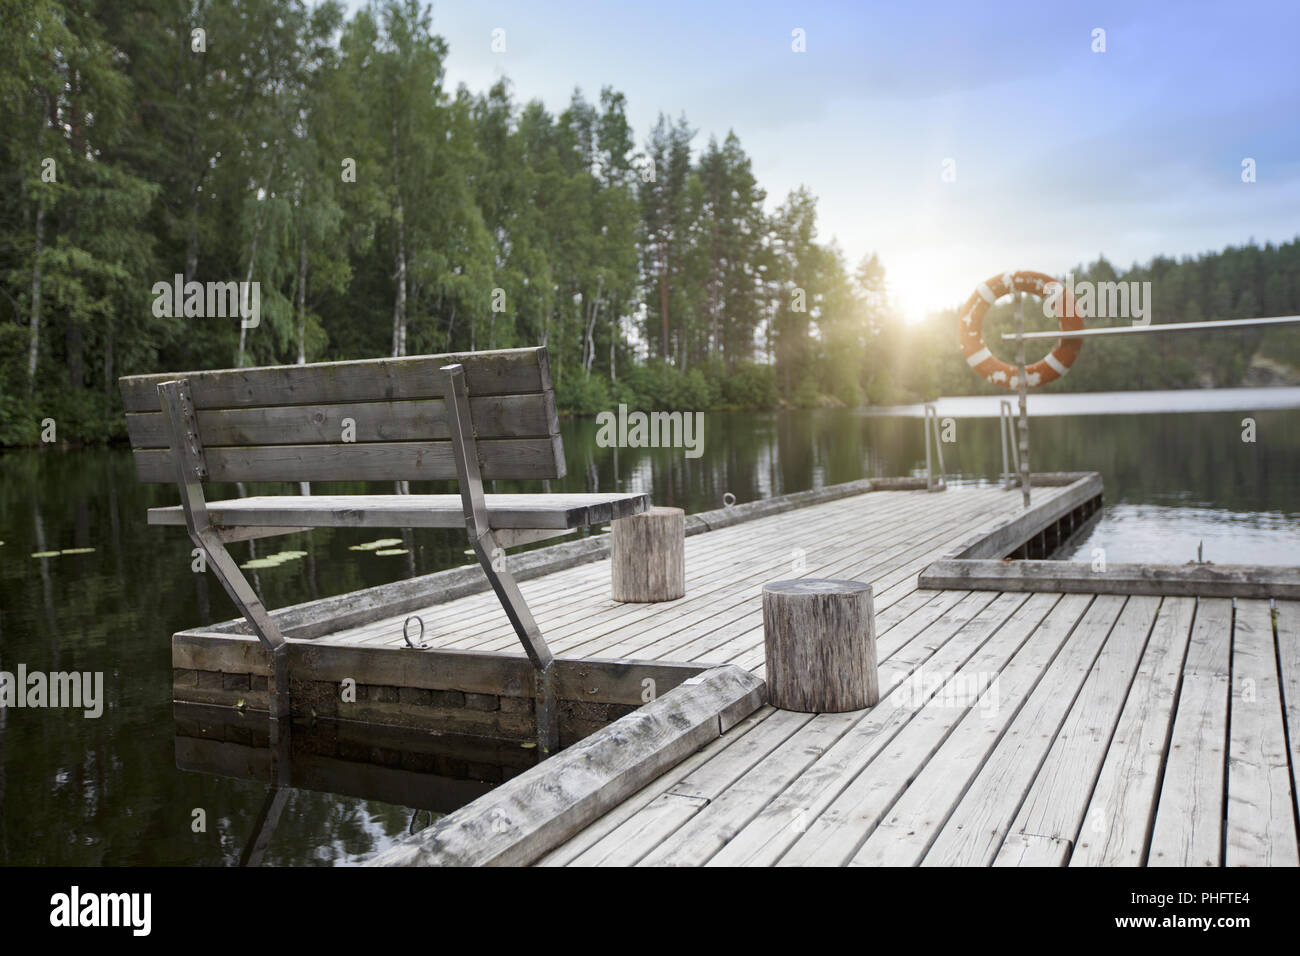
(929, 467)
(1210, 326)
(1024, 398)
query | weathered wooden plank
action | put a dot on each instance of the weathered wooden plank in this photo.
(1286, 619)
(908, 829)
(1124, 799)
(738, 610)
(596, 681)
(715, 622)
(502, 372)
(763, 507)
(1261, 811)
(495, 416)
(1206, 580)
(534, 812)
(1189, 816)
(724, 587)
(1030, 849)
(762, 839)
(691, 792)
(563, 511)
(717, 820)
(979, 825)
(231, 535)
(503, 458)
(1056, 803)
(598, 830)
(710, 620)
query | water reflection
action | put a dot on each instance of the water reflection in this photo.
(374, 772)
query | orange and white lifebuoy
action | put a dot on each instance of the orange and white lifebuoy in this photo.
(971, 336)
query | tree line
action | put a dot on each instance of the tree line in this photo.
(381, 212)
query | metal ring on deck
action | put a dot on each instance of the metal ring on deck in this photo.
(406, 636)
(725, 502)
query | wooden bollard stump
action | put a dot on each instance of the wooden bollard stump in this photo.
(649, 556)
(819, 638)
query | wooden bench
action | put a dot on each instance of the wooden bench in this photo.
(472, 417)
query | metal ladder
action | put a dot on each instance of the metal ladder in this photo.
(931, 425)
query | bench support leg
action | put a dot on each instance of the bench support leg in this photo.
(187, 452)
(491, 555)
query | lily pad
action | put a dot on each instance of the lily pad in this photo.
(77, 551)
(375, 545)
(45, 554)
(257, 564)
(388, 551)
(273, 560)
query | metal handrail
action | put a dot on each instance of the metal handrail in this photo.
(931, 483)
(1007, 430)
(1166, 327)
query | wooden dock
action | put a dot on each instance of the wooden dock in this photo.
(1016, 727)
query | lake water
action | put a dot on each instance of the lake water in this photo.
(107, 791)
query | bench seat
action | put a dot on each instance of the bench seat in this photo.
(541, 512)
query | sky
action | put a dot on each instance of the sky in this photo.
(1061, 153)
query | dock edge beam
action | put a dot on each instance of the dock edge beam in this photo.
(531, 814)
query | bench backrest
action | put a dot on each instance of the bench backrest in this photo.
(286, 422)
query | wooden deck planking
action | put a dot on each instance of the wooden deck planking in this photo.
(943, 647)
(744, 623)
(1108, 744)
(894, 668)
(1188, 829)
(579, 591)
(895, 578)
(846, 555)
(980, 823)
(737, 762)
(1261, 812)
(1129, 784)
(666, 815)
(911, 825)
(1056, 803)
(577, 617)
(837, 833)
(725, 816)
(595, 832)
(1286, 619)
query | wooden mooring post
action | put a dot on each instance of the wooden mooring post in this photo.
(648, 556)
(819, 640)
